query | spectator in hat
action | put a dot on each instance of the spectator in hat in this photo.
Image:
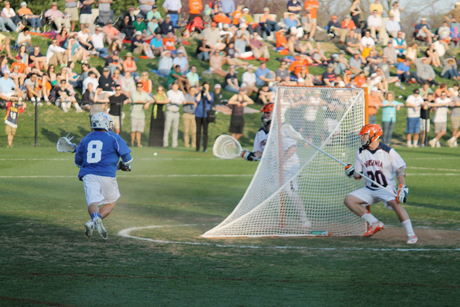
(35, 21)
(268, 23)
(249, 21)
(350, 25)
(165, 64)
(106, 82)
(167, 26)
(393, 27)
(58, 17)
(138, 46)
(146, 6)
(336, 27)
(113, 62)
(212, 36)
(243, 30)
(403, 72)
(390, 52)
(181, 61)
(112, 34)
(423, 31)
(309, 27)
(153, 28)
(129, 65)
(449, 70)
(293, 25)
(329, 76)
(140, 26)
(173, 8)
(154, 13)
(413, 103)
(156, 44)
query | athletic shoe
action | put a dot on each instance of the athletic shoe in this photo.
(89, 229)
(438, 145)
(433, 142)
(40, 104)
(455, 144)
(410, 145)
(412, 240)
(450, 142)
(376, 227)
(100, 228)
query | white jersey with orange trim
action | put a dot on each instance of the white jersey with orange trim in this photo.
(260, 140)
(380, 165)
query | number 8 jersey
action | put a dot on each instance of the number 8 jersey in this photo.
(380, 165)
(99, 153)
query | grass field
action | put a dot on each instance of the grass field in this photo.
(47, 261)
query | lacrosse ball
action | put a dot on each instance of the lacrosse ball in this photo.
(154, 153)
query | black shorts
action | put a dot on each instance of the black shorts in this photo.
(236, 124)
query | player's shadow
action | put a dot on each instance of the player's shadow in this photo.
(51, 135)
(83, 131)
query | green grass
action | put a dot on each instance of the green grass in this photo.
(47, 260)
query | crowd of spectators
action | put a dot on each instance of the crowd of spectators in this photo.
(373, 52)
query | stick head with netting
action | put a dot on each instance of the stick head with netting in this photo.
(64, 144)
(226, 147)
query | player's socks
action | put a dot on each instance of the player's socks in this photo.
(409, 143)
(415, 143)
(408, 227)
(369, 218)
(95, 215)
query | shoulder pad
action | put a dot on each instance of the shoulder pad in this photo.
(384, 147)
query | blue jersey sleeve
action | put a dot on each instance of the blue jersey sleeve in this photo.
(120, 146)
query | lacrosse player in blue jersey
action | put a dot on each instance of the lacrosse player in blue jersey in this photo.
(98, 157)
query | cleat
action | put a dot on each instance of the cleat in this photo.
(376, 227)
(100, 228)
(451, 143)
(89, 229)
(433, 142)
(412, 240)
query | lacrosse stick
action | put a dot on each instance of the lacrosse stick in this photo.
(288, 131)
(227, 147)
(64, 144)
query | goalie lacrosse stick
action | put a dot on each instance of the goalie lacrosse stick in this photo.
(227, 147)
(288, 130)
(64, 144)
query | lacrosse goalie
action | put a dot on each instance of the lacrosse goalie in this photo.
(98, 157)
(291, 163)
(382, 164)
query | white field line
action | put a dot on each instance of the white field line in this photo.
(126, 233)
(71, 159)
(435, 169)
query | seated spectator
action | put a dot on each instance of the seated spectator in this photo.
(258, 48)
(335, 27)
(294, 45)
(156, 44)
(433, 56)
(356, 63)
(268, 23)
(34, 20)
(113, 35)
(376, 81)
(138, 46)
(167, 26)
(411, 52)
(309, 26)
(281, 41)
(341, 63)
(106, 82)
(177, 76)
(8, 88)
(33, 90)
(374, 23)
(154, 13)
(353, 44)
(56, 55)
(90, 79)
(62, 37)
(360, 79)
(449, 70)
(297, 65)
(390, 52)
(424, 72)
(444, 32)
(193, 77)
(393, 27)
(248, 81)
(126, 27)
(383, 71)
(66, 98)
(116, 76)
(5, 44)
(58, 17)
(403, 72)
(231, 81)
(16, 75)
(367, 40)
(249, 21)
(293, 25)
(38, 59)
(84, 38)
(264, 75)
(231, 55)
(203, 51)
(129, 64)
(169, 43)
(165, 64)
(282, 74)
(215, 64)
(140, 26)
(423, 31)
(236, 15)
(113, 62)
(221, 19)
(127, 84)
(97, 40)
(400, 44)
(181, 61)
(10, 19)
(328, 77)
(212, 36)
(24, 38)
(265, 95)
(350, 25)
(77, 53)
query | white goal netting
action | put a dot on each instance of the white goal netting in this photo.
(297, 190)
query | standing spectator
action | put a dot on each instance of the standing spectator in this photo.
(376, 6)
(374, 23)
(35, 21)
(293, 6)
(218, 98)
(455, 119)
(176, 99)
(86, 12)
(188, 117)
(156, 44)
(13, 109)
(440, 118)
(454, 16)
(146, 6)
(389, 108)
(228, 7)
(157, 121)
(117, 101)
(72, 10)
(312, 7)
(238, 102)
(336, 27)
(425, 109)
(355, 12)
(413, 104)
(263, 74)
(139, 102)
(267, 22)
(204, 101)
(172, 8)
(58, 17)
(10, 18)
(374, 104)
(396, 11)
(231, 81)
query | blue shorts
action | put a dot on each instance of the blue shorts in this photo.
(413, 125)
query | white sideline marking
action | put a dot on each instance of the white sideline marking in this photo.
(139, 176)
(126, 234)
(435, 169)
(68, 159)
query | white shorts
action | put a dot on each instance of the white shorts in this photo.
(10, 94)
(372, 197)
(100, 189)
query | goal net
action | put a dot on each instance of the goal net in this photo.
(297, 190)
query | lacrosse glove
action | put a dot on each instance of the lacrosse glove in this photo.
(403, 191)
(249, 155)
(124, 167)
(350, 171)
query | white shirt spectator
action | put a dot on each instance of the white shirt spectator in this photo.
(175, 100)
(89, 80)
(98, 40)
(396, 13)
(412, 112)
(248, 79)
(374, 21)
(51, 51)
(8, 13)
(392, 26)
(172, 5)
(183, 63)
(444, 32)
(83, 36)
(367, 41)
(440, 115)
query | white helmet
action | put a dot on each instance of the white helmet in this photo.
(101, 120)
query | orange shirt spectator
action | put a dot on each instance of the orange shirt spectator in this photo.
(297, 65)
(264, 18)
(24, 11)
(221, 18)
(169, 43)
(439, 91)
(281, 40)
(348, 24)
(21, 65)
(195, 7)
(373, 104)
(313, 11)
(236, 17)
(360, 80)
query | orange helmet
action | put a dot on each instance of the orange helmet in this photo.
(267, 108)
(266, 115)
(373, 131)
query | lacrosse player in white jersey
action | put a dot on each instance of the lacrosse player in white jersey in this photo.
(98, 157)
(383, 164)
(291, 162)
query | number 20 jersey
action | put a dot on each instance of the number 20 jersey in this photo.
(380, 165)
(99, 153)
